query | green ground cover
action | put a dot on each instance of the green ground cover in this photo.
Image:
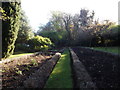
(108, 49)
(17, 55)
(61, 76)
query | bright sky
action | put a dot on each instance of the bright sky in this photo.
(38, 11)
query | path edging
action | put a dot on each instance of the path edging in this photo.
(83, 79)
(39, 77)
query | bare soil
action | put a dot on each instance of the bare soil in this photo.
(15, 72)
(103, 68)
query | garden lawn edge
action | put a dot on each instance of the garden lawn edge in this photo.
(7, 60)
(17, 58)
(106, 52)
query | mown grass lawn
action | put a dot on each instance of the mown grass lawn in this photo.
(61, 76)
(108, 49)
(17, 55)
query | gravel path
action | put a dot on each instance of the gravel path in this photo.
(103, 68)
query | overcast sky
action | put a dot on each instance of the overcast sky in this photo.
(38, 11)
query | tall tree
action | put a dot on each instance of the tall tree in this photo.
(67, 18)
(86, 18)
(25, 31)
(76, 26)
(10, 27)
(56, 20)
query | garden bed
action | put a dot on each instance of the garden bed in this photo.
(81, 77)
(15, 72)
(103, 67)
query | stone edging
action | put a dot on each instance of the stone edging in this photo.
(39, 78)
(82, 78)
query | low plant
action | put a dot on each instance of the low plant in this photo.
(27, 67)
(19, 72)
(34, 62)
(1, 70)
(18, 64)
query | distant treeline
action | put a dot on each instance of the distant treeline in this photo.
(62, 29)
(80, 29)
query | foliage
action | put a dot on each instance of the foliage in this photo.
(34, 62)
(39, 43)
(25, 31)
(111, 35)
(58, 38)
(107, 35)
(61, 22)
(80, 29)
(3, 16)
(19, 72)
(24, 34)
(10, 27)
(86, 19)
(21, 47)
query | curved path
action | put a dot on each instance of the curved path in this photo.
(103, 68)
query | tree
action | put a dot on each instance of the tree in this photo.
(3, 16)
(54, 29)
(56, 21)
(67, 18)
(75, 26)
(97, 32)
(86, 18)
(58, 38)
(72, 26)
(79, 29)
(10, 27)
(25, 31)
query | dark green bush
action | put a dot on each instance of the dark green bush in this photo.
(10, 27)
(22, 47)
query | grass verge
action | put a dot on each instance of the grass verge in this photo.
(17, 55)
(61, 76)
(108, 49)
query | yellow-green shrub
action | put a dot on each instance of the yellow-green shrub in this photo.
(40, 43)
